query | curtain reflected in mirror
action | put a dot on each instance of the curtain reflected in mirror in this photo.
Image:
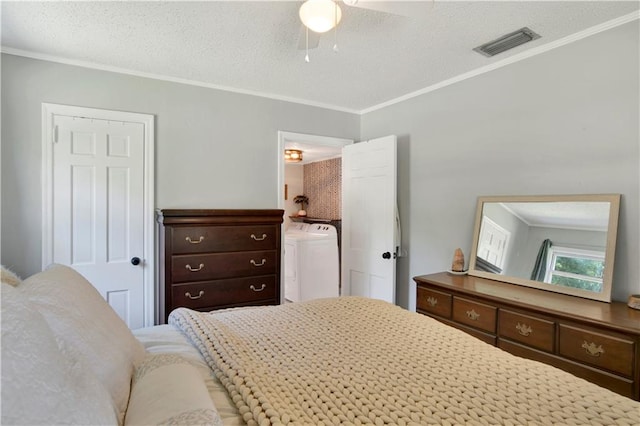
(564, 244)
(540, 267)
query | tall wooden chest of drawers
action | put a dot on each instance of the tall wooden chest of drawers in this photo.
(213, 259)
(597, 341)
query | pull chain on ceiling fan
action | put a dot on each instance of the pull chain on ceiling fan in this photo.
(306, 57)
(335, 31)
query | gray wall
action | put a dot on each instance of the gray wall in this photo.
(214, 149)
(566, 121)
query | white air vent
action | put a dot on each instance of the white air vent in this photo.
(507, 42)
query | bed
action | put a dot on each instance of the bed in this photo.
(344, 360)
(362, 361)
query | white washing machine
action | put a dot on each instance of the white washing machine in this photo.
(311, 264)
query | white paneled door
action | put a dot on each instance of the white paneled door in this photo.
(493, 242)
(369, 219)
(97, 206)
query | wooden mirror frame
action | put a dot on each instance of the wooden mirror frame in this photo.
(612, 228)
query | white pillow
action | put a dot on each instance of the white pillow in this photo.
(79, 316)
(41, 384)
(167, 389)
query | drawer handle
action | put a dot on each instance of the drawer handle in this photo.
(473, 315)
(253, 262)
(194, 270)
(201, 239)
(264, 237)
(524, 329)
(592, 349)
(195, 297)
(262, 287)
(432, 301)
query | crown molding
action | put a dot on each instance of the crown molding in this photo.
(512, 59)
(102, 67)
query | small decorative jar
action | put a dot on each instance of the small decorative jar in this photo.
(634, 301)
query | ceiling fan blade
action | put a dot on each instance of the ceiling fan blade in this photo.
(402, 8)
(314, 39)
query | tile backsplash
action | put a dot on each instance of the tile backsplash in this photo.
(323, 186)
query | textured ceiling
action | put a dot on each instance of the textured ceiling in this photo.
(587, 215)
(252, 46)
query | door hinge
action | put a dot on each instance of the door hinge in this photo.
(55, 134)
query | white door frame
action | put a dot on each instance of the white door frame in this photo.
(283, 138)
(148, 121)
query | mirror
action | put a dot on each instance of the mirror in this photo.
(560, 243)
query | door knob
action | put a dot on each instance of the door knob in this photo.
(135, 261)
(386, 255)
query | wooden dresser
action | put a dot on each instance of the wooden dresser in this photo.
(597, 341)
(213, 259)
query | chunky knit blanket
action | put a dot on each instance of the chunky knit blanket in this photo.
(361, 361)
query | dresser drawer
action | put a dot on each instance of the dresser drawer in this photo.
(434, 302)
(475, 314)
(224, 292)
(604, 351)
(534, 332)
(202, 267)
(605, 379)
(485, 337)
(204, 239)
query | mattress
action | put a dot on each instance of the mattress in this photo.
(168, 339)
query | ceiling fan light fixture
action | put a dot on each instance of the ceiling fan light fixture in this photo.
(320, 15)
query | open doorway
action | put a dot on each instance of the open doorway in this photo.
(311, 242)
(314, 149)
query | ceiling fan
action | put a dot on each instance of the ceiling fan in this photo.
(320, 16)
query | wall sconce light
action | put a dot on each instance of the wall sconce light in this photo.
(292, 155)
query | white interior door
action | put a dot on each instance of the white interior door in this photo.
(98, 207)
(493, 242)
(368, 219)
